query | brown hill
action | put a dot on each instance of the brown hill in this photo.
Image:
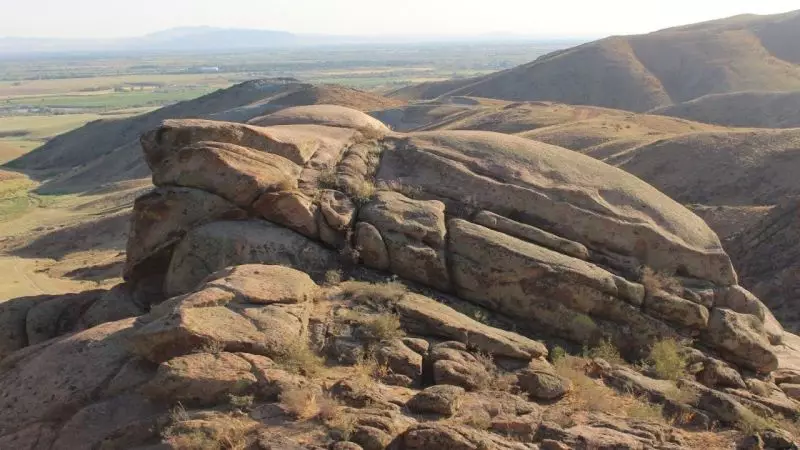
(767, 255)
(105, 151)
(643, 72)
(741, 109)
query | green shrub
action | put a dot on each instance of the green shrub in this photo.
(666, 360)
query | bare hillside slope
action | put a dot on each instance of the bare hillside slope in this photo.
(741, 109)
(643, 72)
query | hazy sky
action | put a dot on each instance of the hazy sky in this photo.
(115, 18)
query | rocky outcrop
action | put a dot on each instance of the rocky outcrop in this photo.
(487, 240)
(553, 239)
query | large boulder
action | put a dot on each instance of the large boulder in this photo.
(413, 232)
(579, 198)
(162, 217)
(217, 245)
(329, 115)
(742, 338)
(58, 377)
(238, 174)
(173, 135)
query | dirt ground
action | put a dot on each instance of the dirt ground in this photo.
(70, 245)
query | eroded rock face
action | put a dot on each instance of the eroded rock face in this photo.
(551, 238)
(542, 238)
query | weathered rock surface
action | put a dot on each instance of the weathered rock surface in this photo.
(162, 217)
(742, 337)
(328, 115)
(532, 234)
(292, 209)
(413, 232)
(579, 198)
(441, 399)
(201, 378)
(430, 318)
(542, 382)
(222, 244)
(237, 174)
(174, 135)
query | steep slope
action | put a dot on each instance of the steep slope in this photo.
(748, 167)
(741, 109)
(643, 72)
(104, 151)
(767, 255)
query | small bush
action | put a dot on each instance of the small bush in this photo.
(685, 395)
(220, 433)
(584, 326)
(243, 402)
(607, 351)
(383, 327)
(333, 277)
(298, 358)
(300, 402)
(643, 410)
(557, 354)
(328, 179)
(361, 193)
(592, 395)
(659, 281)
(377, 294)
(494, 378)
(329, 408)
(213, 347)
(368, 369)
(588, 394)
(752, 423)
(667, 361)
(342, 426)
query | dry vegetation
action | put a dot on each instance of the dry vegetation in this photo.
(221, 432)
(658, 281)
(298, 358)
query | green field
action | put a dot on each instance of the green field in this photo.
(42, 97)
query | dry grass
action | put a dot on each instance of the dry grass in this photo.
(242, 402)
(223, 432)
(383, 327)
(410, 191)
(592, 395)
(667, 361)
(494, 379)
(368, 369)
(213, 347)
(377, 294)
(333, 277)
(361, 193)
(342, 426)
(300, 402)
(608, 351)
(298, 358)
(659, 281)
(328, 179)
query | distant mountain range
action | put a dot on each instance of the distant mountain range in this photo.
(649, 71)
(217, 39)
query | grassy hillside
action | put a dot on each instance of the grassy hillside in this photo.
(643, 72)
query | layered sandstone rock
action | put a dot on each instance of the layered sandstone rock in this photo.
(506, 238)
